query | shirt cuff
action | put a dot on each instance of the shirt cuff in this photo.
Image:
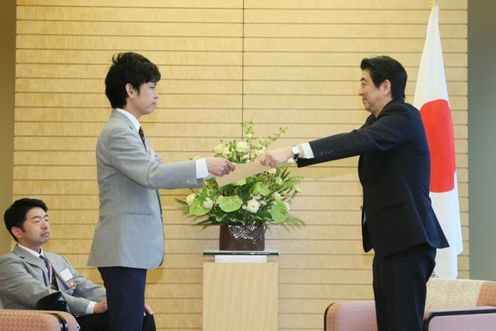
(307, 151)
(201, 169)
(91, 308)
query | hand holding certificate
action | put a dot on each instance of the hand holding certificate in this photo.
(242, 171)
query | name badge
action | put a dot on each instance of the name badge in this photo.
(68, 278)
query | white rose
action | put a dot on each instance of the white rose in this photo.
(242, 146)
(190, 198)
(219, 149)
(252, 206)
(208, 203)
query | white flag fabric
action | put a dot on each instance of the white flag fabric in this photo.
(431, 98)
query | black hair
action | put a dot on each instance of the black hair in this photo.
(131, 68)
(15, 215)
(383, 68)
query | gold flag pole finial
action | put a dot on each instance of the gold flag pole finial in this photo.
(434, 2)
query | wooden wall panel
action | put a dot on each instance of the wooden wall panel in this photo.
(292, 63)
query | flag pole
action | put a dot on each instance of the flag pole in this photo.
(434, 2)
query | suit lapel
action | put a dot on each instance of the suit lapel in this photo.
(127, 123)
(29, 258)
(362, 160)
(36, 261)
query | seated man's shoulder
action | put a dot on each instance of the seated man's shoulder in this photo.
(10, 262)
(9, 257)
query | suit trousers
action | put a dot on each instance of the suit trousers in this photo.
(94, 322)
(400, 287)
(125, 297)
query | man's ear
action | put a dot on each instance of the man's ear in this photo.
(386, 87)
(131, 91)
(16, 231)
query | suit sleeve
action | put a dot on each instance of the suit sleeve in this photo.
(390, 130)
(84, 292)
(124, 152)
(18, 284)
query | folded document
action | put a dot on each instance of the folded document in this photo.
(242, 171)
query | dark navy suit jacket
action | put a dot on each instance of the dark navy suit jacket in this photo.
(394, 170)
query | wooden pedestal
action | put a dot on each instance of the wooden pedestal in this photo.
(240, 296)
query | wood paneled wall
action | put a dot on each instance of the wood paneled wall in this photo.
(292, 63)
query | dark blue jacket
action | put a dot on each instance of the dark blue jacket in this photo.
(394, 170)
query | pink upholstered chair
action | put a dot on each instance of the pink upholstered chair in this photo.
(452, 305)
(350, 316)
(36, 320)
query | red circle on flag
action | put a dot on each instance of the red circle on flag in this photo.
(436, 116)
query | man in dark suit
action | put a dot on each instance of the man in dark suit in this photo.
(398, 221)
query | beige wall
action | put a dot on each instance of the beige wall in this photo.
(7, 83)
(287, 63)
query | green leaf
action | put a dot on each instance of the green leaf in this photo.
(181, 202)
(262, 188)
(230, 203)
(197, 208)
(279, 211)
(240, 182)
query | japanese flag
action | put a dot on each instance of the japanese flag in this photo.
(431, 98)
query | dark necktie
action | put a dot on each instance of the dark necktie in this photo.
(51, 275)
(142, 135)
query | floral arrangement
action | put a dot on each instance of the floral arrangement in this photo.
(263, 198)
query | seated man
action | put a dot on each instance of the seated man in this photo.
(29, 273)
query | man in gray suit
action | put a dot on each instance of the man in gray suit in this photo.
(129, 237)
(29, 273)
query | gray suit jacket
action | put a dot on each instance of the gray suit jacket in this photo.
(129, 232)
(23, 281)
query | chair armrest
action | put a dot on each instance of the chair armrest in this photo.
(461, 319)
(487, 294)
(350, 316)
